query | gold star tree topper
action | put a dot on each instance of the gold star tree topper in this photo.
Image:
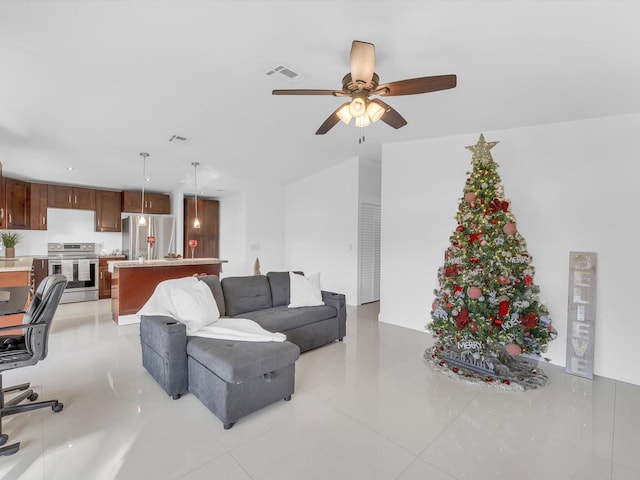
(481, 152)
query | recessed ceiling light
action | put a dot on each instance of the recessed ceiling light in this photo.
(70, 168)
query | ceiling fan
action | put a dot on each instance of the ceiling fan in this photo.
(362, 82)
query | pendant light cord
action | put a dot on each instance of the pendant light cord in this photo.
(196, 221)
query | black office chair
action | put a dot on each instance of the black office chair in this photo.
(28, 349)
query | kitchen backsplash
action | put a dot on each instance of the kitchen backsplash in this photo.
(66, 225)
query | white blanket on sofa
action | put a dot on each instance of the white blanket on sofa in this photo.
(191, 302)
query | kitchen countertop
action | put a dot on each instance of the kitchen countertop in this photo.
(113, 264)
(18, 264)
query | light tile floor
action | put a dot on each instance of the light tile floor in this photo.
(367, 408)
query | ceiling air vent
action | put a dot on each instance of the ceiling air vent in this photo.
(282, 71)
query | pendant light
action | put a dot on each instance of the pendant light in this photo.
(142, 222)
(196, 222)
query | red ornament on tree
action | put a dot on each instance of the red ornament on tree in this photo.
(474, 237)
(503, 308)
(529, 321)
(462, 318)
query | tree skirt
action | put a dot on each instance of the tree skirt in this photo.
(507, 372)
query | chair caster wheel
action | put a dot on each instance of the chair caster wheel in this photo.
(176, 396)
(33, 397)
(10, 450)
(287, 398)
(57, 407)
(3, 439)
(227, 426)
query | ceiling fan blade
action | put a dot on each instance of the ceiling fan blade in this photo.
(363, 59)
(308, 92)
(417, 85)
(390, 116)
(330, 122)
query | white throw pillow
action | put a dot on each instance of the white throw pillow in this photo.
(194, 306)
(304, 291)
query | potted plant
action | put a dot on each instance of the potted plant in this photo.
(9, 240)
(141, 256)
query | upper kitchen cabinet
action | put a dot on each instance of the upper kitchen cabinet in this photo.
(108, 209)
(17, 204)
(154, 203)
(64, 196)
(38, 214)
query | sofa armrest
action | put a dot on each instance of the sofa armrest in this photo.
(164, 352)
(337, 301)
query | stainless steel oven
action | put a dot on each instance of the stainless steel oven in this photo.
(79, 263)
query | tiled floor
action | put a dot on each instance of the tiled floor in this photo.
(367, 408)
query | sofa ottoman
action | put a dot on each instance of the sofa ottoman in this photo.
(233, 378)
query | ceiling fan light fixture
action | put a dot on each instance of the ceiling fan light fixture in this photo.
(363, 121)
(344, 114)
(357, 107)
(374, 111)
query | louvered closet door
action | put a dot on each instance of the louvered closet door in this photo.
(369, 285)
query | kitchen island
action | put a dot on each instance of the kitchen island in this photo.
(132, 282)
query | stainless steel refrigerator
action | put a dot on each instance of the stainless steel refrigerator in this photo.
(134, 236)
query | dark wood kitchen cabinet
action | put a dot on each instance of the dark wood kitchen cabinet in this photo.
(108, 209)
(154, 203)
(104, 276)
(66, 196)
(17, 204)
(40, 270)
(38, 214)
(207, 235)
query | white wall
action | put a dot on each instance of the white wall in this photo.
(66, 225)
(265, 228)
(370, 181)
(252, 226)
(573, 187)
(321, 227)
(233, 227)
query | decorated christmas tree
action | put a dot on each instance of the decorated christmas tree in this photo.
(487, 316)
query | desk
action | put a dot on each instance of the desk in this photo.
(16, 302)
(11, 311)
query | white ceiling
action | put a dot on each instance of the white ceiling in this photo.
(92, 84)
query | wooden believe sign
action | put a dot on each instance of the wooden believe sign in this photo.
(581, 314)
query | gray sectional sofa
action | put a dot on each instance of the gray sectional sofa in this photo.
(234, 378)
